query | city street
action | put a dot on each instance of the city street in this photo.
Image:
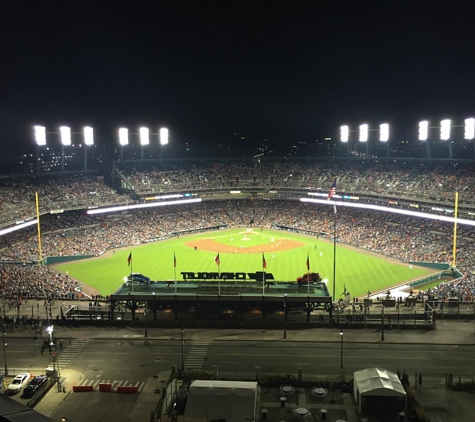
(121, 357)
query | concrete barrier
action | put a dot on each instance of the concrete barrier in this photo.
(105, 387)
(82, 388)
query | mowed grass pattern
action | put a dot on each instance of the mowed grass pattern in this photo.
(357, 270)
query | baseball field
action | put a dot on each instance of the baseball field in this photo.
(243, 250)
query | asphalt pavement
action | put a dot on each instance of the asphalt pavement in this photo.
(441, 404)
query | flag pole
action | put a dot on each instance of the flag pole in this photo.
(131, 272)
(454, 252)
(174, 269)
(264, 265)
(334, 253)
(219, 276)
(308, 274)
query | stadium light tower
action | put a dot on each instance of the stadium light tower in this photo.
(65, 133)
(163, 138)
(364, 134)
(88, 141)
(40, 139)
(384, 136)
(144, 138)
(424, 135)
(345, 137)
(123, 140)
(445, 129)
(344, 134)
(469, 132)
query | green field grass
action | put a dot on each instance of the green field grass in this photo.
(357, 270)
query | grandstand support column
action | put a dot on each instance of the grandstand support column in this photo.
(388, 149)
(429, 152)
(367, 149)
(451, 149)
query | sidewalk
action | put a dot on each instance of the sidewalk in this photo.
(447, 332)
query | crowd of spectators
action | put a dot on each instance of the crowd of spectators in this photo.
(384, 179)
(18, 197)
(75, 233)
(407, 179)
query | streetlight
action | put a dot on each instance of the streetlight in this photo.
(5, 354)
(341, 353)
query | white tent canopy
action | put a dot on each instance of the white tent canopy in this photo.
(377, 382)
(213, 400)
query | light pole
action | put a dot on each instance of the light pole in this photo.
(52, 349)
(341, 354)
(382, 324)
(182, 350)
(285, 316)
(5, 354)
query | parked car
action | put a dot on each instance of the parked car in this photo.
(18, 383)
(309, 278)
(35, 385)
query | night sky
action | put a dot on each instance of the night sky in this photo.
(283, 72)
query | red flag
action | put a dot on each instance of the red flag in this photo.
(174, 259)
(308, 262)
(264, 263)
(332, 191)
(217, 260)
(129, 259)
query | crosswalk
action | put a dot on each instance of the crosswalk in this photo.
(115, 383)
(65, 357)
(197, 355)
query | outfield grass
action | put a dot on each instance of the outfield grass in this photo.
(358, 270)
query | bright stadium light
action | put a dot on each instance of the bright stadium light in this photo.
(345, 133)
(65, 133)
(40, 135)
(163, 136)
(423, 130)
(140, 206)
(144, 136)
(123, 136)
(391, 210)
(445, 129)
(88, 135)
(469, 128)
(384, 132)
(364, 129)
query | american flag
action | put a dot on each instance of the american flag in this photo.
(307, 263)
(264, 263)
(217, 260)
(332, 191)
(129, 259)
(174, 259)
